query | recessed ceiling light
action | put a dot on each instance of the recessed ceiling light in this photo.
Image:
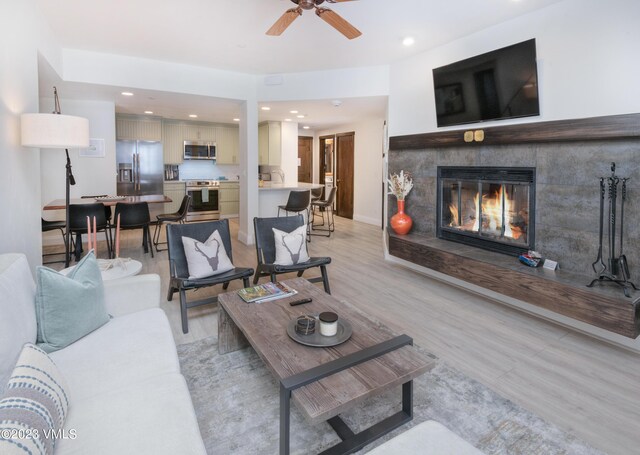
(148, 112)
(293, 112)
(193, 116)
(306, 127)
(300, 116)
(127, 93)
(409, 41)
(265, 108)
(287, 120)
(236, 119)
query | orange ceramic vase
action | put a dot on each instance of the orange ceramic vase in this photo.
(401, 222)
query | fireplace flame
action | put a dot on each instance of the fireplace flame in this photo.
(493, 208)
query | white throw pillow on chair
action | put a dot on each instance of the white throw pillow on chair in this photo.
(291, 248)
(208, 258)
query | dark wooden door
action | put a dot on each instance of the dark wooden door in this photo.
(326, 157)
(305, 159)
(344, 174)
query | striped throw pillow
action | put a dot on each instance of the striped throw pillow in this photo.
(34, 405)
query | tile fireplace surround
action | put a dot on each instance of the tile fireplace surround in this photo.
(569, 159)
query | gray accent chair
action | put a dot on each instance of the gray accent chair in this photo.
(266, 251)
(179, 271)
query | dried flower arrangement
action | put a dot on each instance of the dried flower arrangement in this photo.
(400, 185)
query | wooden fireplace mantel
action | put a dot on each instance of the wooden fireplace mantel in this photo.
(561, 292)
(610, 127)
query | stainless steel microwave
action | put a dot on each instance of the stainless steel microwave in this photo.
(198, 150)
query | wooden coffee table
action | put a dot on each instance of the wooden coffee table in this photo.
(324, 382)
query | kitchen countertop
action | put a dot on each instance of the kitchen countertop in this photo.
(268, 186)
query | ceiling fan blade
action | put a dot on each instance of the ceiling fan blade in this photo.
(285, 21)
(338, 1)
(336, 21)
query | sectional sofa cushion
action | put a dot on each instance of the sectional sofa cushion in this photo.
(34, 406)
(17, 313)
(129, 349)
(69, 307)
(148, 417)
(206, 259)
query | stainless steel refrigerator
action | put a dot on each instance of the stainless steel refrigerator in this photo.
(140, 168)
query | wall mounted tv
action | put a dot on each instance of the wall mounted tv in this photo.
(498, 85)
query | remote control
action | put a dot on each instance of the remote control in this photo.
(300, 302)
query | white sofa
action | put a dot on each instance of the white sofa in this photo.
(127, 395)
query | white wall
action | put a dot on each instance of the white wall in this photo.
(93, 175)
(340, 83)
(23, 33)
(367, 178)
(289, 162)
(587, 64)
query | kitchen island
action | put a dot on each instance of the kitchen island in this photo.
(274, 194)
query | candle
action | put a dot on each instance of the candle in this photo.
(95, 237)
(328, 323)
(118, 237)
(88, 234)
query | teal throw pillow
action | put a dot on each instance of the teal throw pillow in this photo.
(69, 307)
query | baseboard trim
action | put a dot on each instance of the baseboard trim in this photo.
(246, 238)
(367, 219)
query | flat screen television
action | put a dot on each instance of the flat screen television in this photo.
(498, 85)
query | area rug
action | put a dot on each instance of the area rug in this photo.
(236, 401)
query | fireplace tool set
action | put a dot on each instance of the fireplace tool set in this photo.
(616, 268)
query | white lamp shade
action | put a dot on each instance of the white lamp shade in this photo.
(54, 131)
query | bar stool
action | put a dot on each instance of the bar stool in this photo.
(298, 202)
(325, 206)
(176, 217)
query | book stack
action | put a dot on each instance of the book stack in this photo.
(266, 292)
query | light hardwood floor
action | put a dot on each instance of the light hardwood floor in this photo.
(585, 386)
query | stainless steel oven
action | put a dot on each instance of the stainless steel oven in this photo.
(204, 203)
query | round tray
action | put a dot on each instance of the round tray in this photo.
(320, 341)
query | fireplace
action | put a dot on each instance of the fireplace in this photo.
(487, 207)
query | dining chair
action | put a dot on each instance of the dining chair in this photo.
(107, 208)
(78, 214)
(179, 280)
(266, 251)
(48, 226)
(176, 217)
(135, 216)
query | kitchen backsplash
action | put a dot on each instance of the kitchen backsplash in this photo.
(207, 170)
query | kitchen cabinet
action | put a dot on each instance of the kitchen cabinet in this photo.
(229, 199)
(199, 132)
(172, 142)
(227, 144)
(270, 143)
(176, 191)
(138, 128)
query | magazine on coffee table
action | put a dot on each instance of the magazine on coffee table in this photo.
(266, 292)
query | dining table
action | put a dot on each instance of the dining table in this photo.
(59, 204)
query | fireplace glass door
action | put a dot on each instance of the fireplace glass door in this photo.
(487, 207)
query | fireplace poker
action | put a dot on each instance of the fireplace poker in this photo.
(599, 260)
(622, 261)
(613, 199)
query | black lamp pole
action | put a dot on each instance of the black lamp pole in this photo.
(70, 180)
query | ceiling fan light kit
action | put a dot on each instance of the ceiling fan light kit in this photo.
(329, 16)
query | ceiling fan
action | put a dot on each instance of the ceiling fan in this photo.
(327, 15)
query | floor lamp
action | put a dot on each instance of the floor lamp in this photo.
(57, 131)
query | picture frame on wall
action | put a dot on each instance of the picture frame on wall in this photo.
(449, 99)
